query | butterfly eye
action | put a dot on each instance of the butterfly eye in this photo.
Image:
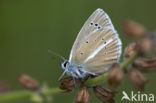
(65, 64)
(102, 38)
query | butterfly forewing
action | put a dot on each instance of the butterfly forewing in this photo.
(99, 19)
(97, 46)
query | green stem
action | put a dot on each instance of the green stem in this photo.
(27, 94)
(52, 91)
(129, 61)
(96, 80)
(18, 95)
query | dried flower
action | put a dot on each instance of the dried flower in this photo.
(69, 83)
(83, 96)
(147, 64)
(130, 50)
(28, 82)
(133, 29)
(115, 75)
(144, 46)
(104, 94)
(137, 79)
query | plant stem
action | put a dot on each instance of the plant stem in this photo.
(52, 91)
(129, 61)
(96, 80)
(17, 95)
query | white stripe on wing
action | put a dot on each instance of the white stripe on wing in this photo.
(98, 50)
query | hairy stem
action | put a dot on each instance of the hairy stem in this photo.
(17, 95)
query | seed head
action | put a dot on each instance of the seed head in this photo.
(130, 50)
(133, 29)
(152, 37)
(69, 83)
(4, 87)
(137, 79)
(104, 94)
(83, 96)
(144, 46)
(115, 76)
(147, 64)
(28, 82)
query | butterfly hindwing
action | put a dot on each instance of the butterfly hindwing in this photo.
(99, 51)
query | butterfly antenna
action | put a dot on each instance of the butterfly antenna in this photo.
(61, 75)
(56, 54)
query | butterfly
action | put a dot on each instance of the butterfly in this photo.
(95, 49)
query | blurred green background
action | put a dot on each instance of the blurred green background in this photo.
(27, 27)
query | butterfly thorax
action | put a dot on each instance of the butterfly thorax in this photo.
(74, 70)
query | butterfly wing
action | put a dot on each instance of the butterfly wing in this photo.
(98, 17)
(97, 45)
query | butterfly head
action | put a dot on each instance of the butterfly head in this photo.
(73, 70)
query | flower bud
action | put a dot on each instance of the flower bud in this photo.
(137, 79)
(115, 76)
(130, 50)
(104, 94)
(69, 83)
(133, 29)
(28, 82)
(83, 96)
(147, 64)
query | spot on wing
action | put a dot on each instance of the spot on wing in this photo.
(99, 27)
(91, 23)
(105, 53)
(81, 53)
(96, 24)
